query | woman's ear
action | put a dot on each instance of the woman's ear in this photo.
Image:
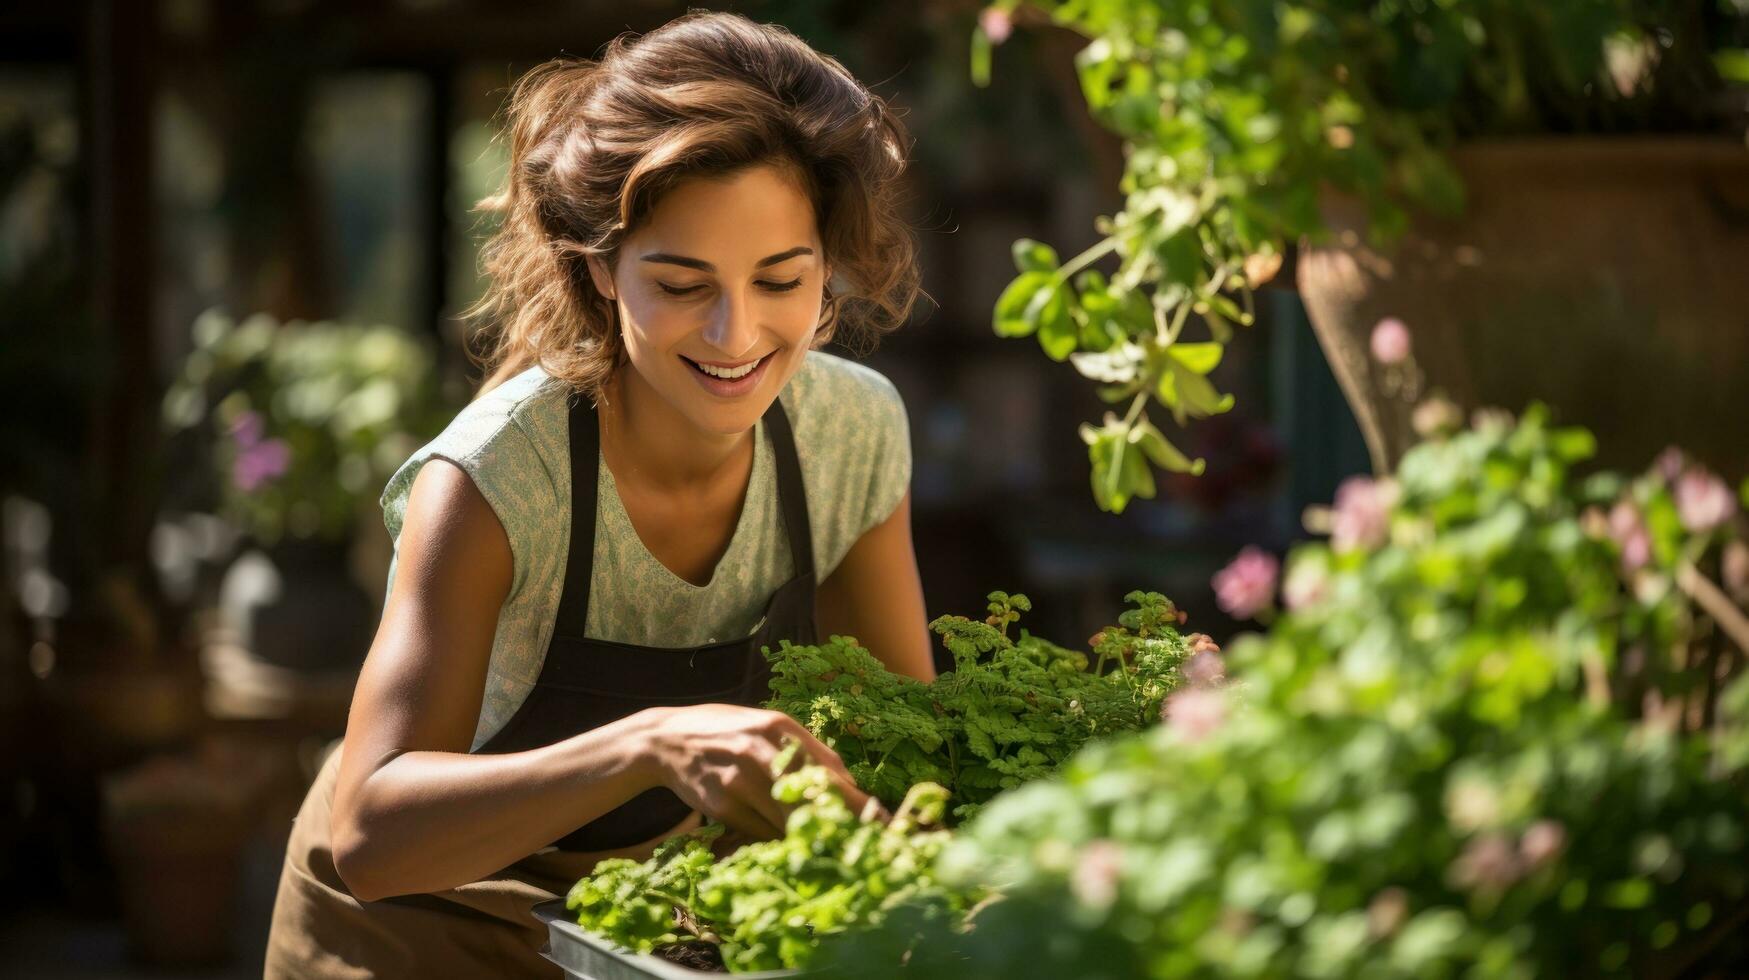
(601, 276)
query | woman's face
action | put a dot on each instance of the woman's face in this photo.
(725, 278)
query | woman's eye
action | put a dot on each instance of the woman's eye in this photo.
(776, 287)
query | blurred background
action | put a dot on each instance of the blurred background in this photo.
(194, 554)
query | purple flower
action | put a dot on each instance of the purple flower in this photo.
(1247, 586)
(997, 24)
(1195, 712)
(1631, 535)
(259, 463)
(1390, 341)
(1362, 513)
(247, 429)
(1703, 501)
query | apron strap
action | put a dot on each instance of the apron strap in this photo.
(573, 611)
(573, 614)
(792, 494)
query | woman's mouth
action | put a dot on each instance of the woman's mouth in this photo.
(728, 382)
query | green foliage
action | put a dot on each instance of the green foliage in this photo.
(1008, 712)
(303, 422)
(1238, 115)
(1496, 739)
(768, 903)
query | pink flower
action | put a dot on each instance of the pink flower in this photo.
(1541, 843)
(1096, 874)
(1390, 341)
(1362, 513)
(1195, 712)
(997, 24)
(1703, 501)
(1204, 669)
(1670, 463)
(1247, 586)
(1631, 535)
(1489, 863)
(260, 463)
(247, 429)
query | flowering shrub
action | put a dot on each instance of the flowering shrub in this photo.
(1236, 115)
(306, 421)
(1497, 734)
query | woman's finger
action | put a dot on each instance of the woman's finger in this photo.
(745, 821)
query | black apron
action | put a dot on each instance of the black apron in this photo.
(586, 683)
(485, 927)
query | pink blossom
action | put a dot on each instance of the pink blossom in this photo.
(1488, 863)
(1387, 910)
(1390, 341)
(1631, 536)
(1362, 513)
(1096, 874)
(1670, 463)
(1195, 712)
(260, 463)
(1541, 843)
(1246, 587)
(1204, 669)
(1703, 501)
(997, 24)
(247, 429)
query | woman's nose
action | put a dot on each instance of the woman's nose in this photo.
(731, 329)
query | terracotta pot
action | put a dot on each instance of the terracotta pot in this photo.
(1606, 277)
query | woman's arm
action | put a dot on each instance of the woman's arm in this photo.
(414, 811)
(876, 595)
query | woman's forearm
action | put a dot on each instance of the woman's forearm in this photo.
(427, 821)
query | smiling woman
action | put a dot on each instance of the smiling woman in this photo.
(662, 475)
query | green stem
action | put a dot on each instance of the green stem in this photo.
(1086, 258)
(1141, 399)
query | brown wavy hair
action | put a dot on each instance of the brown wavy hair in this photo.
(595, 143)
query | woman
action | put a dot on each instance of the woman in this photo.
(662, 476)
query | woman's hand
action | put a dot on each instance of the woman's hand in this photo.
(718, 759)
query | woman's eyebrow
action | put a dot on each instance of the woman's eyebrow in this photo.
(693, 263)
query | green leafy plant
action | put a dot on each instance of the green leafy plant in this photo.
(1236, 115)
(1500, 729)
(1010, 711)
(303, 423)
(766, 905)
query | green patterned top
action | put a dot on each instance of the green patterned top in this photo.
(854, 443)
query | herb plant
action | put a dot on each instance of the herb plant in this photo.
(1010, 711)
(766, 905)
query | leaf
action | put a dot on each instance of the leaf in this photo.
(1161, 452)
(1118, 365)
(1200, 358)
(1013, 306)
(1056, 324)
(1034, 256)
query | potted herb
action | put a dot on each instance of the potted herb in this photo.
(1593, 149)
(295, 428)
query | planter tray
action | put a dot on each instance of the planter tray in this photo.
(587, 957)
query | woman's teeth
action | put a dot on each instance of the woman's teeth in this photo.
(727, 374)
